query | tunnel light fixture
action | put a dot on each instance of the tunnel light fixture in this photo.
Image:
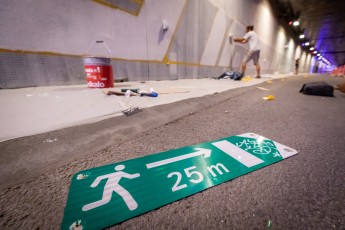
(315, 52)
(295, 23)
(301, 36)
(318, 55)
(311, 48)
(307, 44)
(326, 61)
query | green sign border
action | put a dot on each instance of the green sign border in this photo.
(103, 196)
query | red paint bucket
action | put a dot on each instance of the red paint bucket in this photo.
(99, 72)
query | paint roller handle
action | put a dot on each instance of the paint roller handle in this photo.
(99, 42)
(152, 94)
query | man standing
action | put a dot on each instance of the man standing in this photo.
(254, 49)
(296, 66)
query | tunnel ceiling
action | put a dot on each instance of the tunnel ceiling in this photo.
(321, 21)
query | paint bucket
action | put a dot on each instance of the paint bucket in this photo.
(99, 73)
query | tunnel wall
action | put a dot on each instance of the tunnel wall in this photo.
(43, 44)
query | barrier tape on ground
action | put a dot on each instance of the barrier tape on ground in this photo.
(107, 195)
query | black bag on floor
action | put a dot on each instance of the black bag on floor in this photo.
(237, 76)
(320, 88)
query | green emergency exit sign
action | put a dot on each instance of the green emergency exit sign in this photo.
(107, 195)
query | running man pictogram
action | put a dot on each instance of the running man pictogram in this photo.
(111, 186)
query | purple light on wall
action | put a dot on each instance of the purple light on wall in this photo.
(321, 43)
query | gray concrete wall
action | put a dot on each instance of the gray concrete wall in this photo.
(43, 43)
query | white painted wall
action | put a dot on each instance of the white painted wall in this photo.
(214, 42)
(72, 27)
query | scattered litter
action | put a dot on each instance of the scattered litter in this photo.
(226, 111)
(50, 140)
(269, 82)
(131, 111)
(191, 113)
(269, 224)
(76, 226)
(82, 176)
(133, 90)
(128, 93)
(152, 94)
(269, 98)
(109, 92)
(246, 78)
(262, 88)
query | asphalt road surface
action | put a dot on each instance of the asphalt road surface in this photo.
(306, 191)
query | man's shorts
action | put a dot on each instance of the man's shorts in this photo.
(252, 54)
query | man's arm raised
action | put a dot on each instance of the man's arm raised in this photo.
(241, 40)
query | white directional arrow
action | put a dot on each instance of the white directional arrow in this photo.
(201, 151)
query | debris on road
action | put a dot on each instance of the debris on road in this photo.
(50, 140)
(246, 78)
(130, 93)
(262, 88)
(269, 224)
(269, 98)
(131, 111)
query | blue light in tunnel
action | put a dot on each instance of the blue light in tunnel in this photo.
(324, 32)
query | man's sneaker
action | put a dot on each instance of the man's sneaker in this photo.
(258, 76)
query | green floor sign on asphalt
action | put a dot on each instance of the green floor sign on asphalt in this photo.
(104, 196)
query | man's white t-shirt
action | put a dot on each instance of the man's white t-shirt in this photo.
(253, 40)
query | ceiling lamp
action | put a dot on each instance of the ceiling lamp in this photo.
(295, 23)
(311, 48)
(307, 44)
(301, 36)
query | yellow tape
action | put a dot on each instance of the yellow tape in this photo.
(115, 59)
(108, 4)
